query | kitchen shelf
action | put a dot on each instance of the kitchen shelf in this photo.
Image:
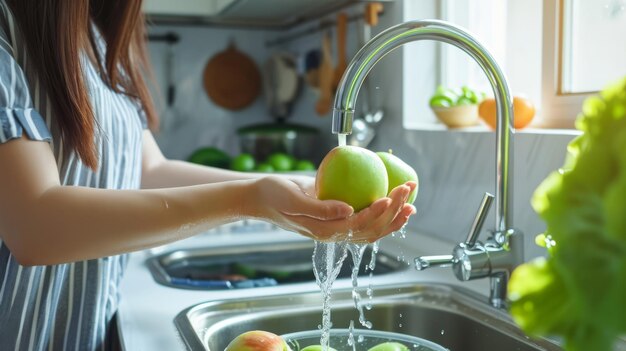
(261, 14)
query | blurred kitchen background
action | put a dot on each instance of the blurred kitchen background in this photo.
(195, 43)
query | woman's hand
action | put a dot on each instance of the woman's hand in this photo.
(291, 204)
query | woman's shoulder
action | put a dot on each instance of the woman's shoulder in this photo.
(8, 34)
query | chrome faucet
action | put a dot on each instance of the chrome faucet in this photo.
(499, 255)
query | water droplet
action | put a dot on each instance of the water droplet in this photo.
(549, 241)
(351, 334)
(400, 325)
(442, 331)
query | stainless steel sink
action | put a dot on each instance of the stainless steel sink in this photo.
(250, 266)
(453, 317)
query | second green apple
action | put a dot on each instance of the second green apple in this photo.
(398, 173)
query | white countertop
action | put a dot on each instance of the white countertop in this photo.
(147, 309)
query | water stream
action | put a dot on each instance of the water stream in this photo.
(327, 261)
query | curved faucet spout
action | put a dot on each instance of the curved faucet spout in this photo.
(441, 31)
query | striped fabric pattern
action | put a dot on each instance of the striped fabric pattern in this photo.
(67, 306)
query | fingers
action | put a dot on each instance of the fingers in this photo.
(327, 220)
(393, 218)
(304, 205)
(296, 202)
(412, 185)
(401, 219)
(338, 229)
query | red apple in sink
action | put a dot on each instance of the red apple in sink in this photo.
(258, 340)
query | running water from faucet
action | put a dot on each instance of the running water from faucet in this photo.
(341, 138)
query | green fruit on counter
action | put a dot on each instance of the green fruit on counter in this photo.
(399, 173)
(210, 156)
(441, 101)
(443, 97)
(304, 165)
(243, 163)
(464, 101)
(389, 346)
(281, 162)
(316, 348)
(264, 167)
(353, 175)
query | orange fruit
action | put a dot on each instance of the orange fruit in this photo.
(523, 112)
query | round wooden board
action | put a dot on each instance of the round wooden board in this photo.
(232, 79)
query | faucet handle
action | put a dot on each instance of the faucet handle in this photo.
(423, 262)
(481, 215)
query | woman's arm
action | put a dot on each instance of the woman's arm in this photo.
(159, 172)
(383, 217)
(43, 222)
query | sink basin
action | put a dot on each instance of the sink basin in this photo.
(250, 266)
(453, 317)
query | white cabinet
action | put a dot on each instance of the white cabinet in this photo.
(185, 7)
(271, 14)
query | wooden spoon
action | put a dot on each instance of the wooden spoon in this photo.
(342, 63)
(322, 107)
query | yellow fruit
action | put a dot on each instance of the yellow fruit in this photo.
(523, 112)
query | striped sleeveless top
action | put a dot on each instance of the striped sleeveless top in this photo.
(67, 306)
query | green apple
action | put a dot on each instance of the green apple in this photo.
(210, 156)
(243, 163)
(399, 173)
(258, 340)
(264, 167)
(353, 175)
(316, 348)
(281, 162)
(389, 346)
(304, 165)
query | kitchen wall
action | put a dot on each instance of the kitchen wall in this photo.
(455, 168)
(194, 120)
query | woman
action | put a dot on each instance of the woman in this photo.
(74, 152)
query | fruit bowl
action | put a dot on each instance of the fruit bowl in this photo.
(457, 116)
(363, 340)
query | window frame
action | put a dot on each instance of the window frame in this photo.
(559, 109)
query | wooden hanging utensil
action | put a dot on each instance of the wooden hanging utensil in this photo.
(372, 10)
(322, 107)
(342, 63)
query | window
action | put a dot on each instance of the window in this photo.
(591, 37)
(555, 52)
(583, 51)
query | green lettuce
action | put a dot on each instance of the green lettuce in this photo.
(579, 291)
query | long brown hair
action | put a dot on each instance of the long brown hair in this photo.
(56, 32)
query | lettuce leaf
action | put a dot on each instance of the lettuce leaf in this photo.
(579, 291)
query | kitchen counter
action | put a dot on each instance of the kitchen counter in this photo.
(147, 309)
